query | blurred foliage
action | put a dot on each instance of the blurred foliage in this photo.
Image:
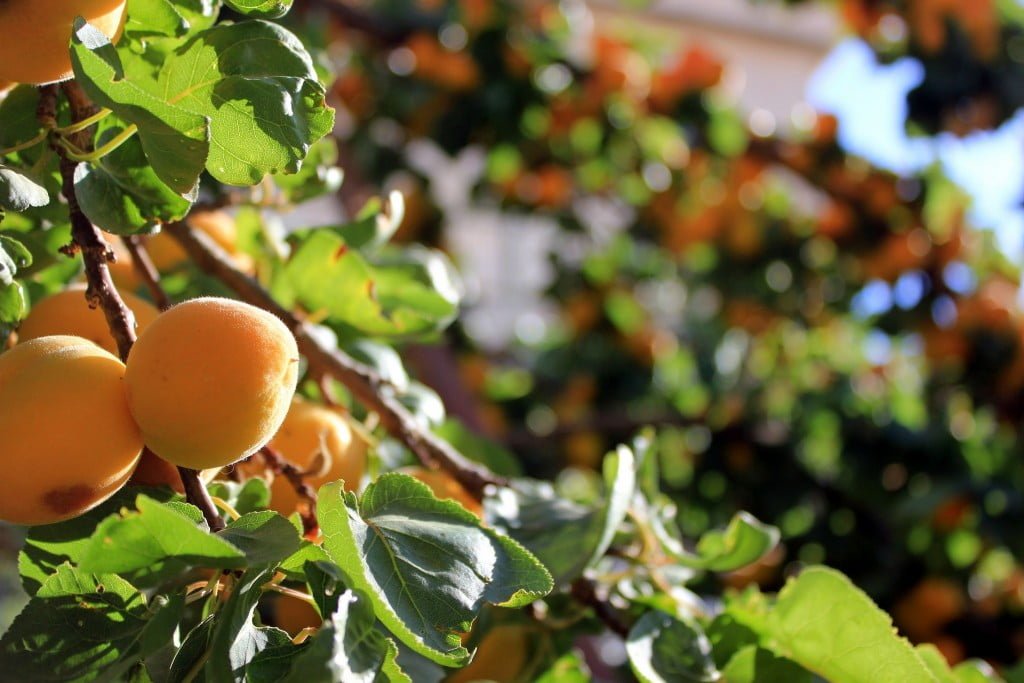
(825, 344)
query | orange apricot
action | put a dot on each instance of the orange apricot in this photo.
(501, 656)
(69, 440)
(37, 35)
(68, 312)
(219, 226)
(210, 381)
(294, 615)
(312, 433)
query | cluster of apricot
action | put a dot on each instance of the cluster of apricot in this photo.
(207, 383)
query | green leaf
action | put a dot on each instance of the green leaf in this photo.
(265, 537)
(413, 292)
(18, 192)
(13, 304)
(176, 141)
(829, 626)
(348, 648)
(154, 17)
(13, 257)
(744, 541)
(756, 665)
(566, 536)
(318, 176)
(662, 648)
(153, 535)
(375, 224)
(971, 671)
(256, 83)
(76, 627)
(266, 9)
(235, 640)
(428, 566)
(121, 193)
(480, 449)
(251, 495)
(295, 565)
(192, 654)
(569, 668)
(51, 545)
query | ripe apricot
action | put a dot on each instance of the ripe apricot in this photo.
(310, 430)
(167, 254)
(37, 35)
(501, 656)
(69, 440)
(444, 486)
(68, 312)
(210, 381)
(293, 615)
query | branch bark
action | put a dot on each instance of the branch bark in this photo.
(282, 467)
(368, 387)
(96, 254)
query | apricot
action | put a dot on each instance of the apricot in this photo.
(293, 615)
(210, 381)
(445, 486)
(167, 254)
(501, 656)
(37, 35)
(308, 431)
(69, 440)
(68, 312)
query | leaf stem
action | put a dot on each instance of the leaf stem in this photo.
(109, 146)
(84, 123)
(226, 507)
(25, 145)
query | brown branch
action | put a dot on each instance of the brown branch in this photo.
(283, 467)
(584, 591)
(145, 269)
(366, 385)
(96, 254)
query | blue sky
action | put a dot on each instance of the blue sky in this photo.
(869, 100)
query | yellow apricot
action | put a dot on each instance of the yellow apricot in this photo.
(501, 656)
(293, 615)
(210, 381)
(68, 312)
(69, 440)
(37, 35)
(445, 486)
(310, 430)
(167, 254)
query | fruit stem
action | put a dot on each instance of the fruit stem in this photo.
(226, 507)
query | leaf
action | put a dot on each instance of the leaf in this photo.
(176, 141)
(428, 566)
(265, 537)
(267, 9)
(122, 193)
(191, 655)
(154, 17)
(49, 546)
(756, 665)
(971, 671)
(376, 223)
(13, 257)
(348, 648)
(569, 668)
(744, 541)
(479, 449)
(566, 536)
(412, 293)
(154, 534)
(295, 565)
(662, 648)
(74, 628)
(235, 640)
(829, 626)
(251, 495)
(18, 192)
(13, 304)
(256, 84)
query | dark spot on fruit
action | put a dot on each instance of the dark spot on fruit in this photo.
(70, 499)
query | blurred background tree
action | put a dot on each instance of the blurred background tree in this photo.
(827, 343)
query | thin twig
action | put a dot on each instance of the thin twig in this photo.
(366, 385)
(280, 466)
(145, 269)
(96, 253)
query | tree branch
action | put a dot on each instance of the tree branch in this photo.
(145, 269)
(584, 591)
(368, 387)
(96, 254)
(283, 467)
